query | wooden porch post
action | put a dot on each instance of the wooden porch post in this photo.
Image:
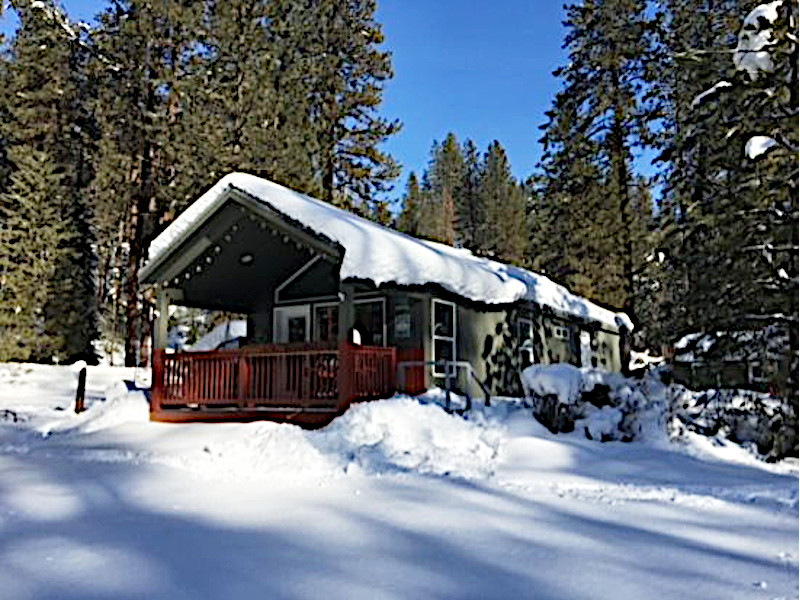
(346, 366)
(347, 315)
(160, 330)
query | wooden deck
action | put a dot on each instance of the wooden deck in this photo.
(307, 384)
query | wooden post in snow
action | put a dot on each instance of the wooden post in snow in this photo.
(80, 394)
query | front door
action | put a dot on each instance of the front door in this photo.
(292, 324)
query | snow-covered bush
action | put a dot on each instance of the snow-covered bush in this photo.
(608, 406)
(605, 406)
(746, 417)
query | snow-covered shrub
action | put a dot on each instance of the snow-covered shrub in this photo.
(605, 406)
(743, 416)
(553, 391)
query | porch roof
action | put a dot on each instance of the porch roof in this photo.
(381, 255)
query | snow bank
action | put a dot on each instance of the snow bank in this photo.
(402, 259)
(119, 407)
(403, 435)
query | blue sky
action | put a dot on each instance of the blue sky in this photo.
(480, 69)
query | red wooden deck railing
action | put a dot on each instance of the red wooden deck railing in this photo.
(266, 381)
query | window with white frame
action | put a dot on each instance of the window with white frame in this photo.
(443, 326)
(755, 373)
(525, 341)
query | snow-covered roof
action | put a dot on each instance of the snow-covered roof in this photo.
(381, 255)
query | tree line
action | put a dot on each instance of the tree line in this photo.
(668, 180)
(667, 185)
(109, 130)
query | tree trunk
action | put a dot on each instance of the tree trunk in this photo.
(619, 164)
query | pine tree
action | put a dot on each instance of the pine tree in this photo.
(442, 185)
(332, 48)
(732, 248)
(29, 263)
(470, 210)
(146, 50)
(506, 222)
(597, 118)
(410, 215)
(45, 98)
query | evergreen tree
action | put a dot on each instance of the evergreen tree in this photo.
(470, 209)
(45, 99)
(597, 117)
(506, 222)
(331, 47)
(409, 220)
(145, 52)
(732, 248)
(29, 263)
(442, 186)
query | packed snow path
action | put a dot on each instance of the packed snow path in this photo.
(396, 499)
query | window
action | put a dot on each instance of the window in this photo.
(326, 322)
(291, 324)
(525, 341)
(755, 373)
(444, 336)
(370, 321)
(561, 333)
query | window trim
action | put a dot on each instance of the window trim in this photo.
(751, 378)
(528, 321)
(451, 339)
(381, 299)
(296, 308)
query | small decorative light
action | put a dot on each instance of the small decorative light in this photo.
(235, 227)
(198, 269)
(165, 283)
(177, 280)
(246, 259)
(209, 260)
(285, 239)
(262, 225)
(217, 249)
(274, 231)
(187, 276)
(227, 237)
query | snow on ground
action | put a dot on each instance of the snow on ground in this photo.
(396, 499)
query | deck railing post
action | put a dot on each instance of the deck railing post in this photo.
(346, 374)
(157, 386)
(243, 380)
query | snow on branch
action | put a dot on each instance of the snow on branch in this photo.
(758, 145)
(755, 38)
(710, 93)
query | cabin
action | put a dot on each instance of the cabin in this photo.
(749, 359)
(340, 309)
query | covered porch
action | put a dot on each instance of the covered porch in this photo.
(314, 344)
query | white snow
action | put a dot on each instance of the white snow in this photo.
(758, 145)
(755, 38)
(711, 92)
(381, 255)
(221, 334)
(396, 499)
(561, 380)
